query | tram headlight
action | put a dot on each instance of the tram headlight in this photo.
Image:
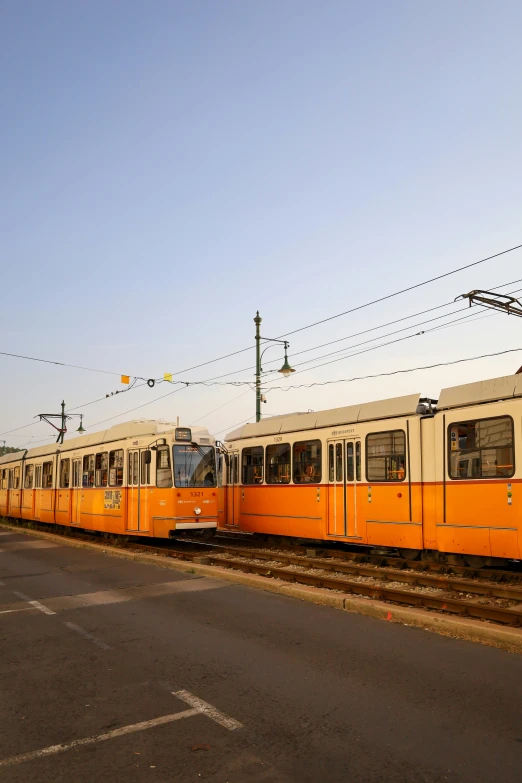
(197, 510)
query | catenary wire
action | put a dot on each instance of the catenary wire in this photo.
(359, 307)
(391, 342)
(295, 331)
(398, 372)
(60, 364)
(470, 317)
(371, 329)
(404, 290)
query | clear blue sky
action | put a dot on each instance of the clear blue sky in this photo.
(168, 168)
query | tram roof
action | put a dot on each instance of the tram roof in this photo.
(129, 429)
(351, 414)
(491, 390)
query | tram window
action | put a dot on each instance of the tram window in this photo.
(4, 474)
(331, 463)
(134, 468)
(278, 463)
(163, 469)
(65, 472)
(219, 469)
(88, 471)
(358, 460)
(29, 476)
(482, 448)
(16, 478)
(145, 467)
(386, 456)
(252, 465)
(233, 468)
(47, 475)
(338, 461)
(350, 473)
(38, 477)
(194, 466)
(307, 461)
(116, 468)
(76, 473)
(131, 468)
(102, 469)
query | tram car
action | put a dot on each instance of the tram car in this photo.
(437, 479)
(140, 478)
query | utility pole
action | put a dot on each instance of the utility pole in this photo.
(257, 321)
(63, 417)
(285, 370)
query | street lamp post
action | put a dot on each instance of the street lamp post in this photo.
(63, 417)
(285, 370)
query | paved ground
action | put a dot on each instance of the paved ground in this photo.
(143, 674)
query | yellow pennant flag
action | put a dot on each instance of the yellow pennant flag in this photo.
(125, 378)
(167, 376)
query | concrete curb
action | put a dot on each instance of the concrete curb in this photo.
(457, 627)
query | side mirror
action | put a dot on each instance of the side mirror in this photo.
(148, 458)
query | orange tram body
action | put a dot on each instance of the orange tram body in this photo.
(439, 478)
(141, 478)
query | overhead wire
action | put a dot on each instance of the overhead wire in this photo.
(238, 383)
(470, 317)
(60, 364)
(401, 371)
(391, 342)
(287, 334)
(366, 304)
(185, 384)
(371, 329)
(403, 290)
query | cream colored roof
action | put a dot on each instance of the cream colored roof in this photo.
(129, 429)
(294, 422)
(481, 391)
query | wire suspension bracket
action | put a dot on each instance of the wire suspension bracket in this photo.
(63, 418)
(493, 301)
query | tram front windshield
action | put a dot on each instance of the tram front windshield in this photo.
(194, 466)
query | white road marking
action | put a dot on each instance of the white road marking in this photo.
(36, 604)
(6, 533)
(208, 710)
(22, 609)
(52, 749)
(87, 635)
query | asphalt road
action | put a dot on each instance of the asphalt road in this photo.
(120, 671)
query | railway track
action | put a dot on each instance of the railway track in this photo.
(497, 599)
(476, 598)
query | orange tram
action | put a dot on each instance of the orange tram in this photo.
(433, 478)
(141, 478)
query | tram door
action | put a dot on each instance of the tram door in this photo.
(37, 491)
(133, 491)
(232, 489)
(344, 474)
(13, 497)
(76, 491)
